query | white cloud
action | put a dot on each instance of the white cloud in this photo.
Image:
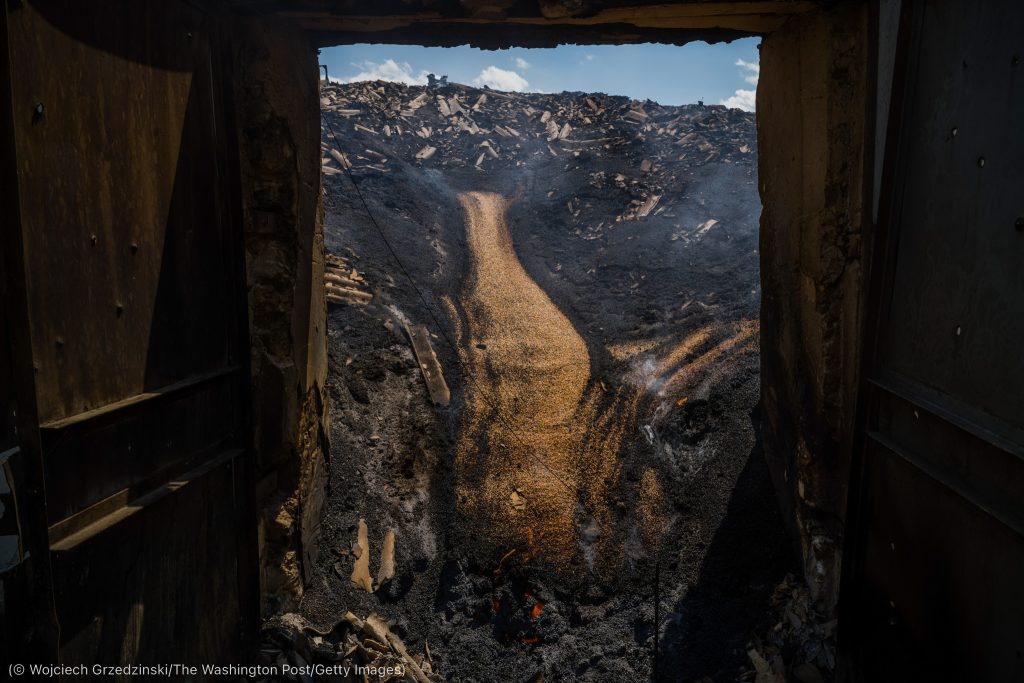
(521, 63)
(753, 70)
(501, 79)
(389, 70)
(741, 99)
(590, 57)
(745, 99)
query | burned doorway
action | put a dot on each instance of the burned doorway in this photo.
(584, 269)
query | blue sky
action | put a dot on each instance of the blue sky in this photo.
(724, 73)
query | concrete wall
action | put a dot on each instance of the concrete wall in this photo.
(811, 107)
(277, 105)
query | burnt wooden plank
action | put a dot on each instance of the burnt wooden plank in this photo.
(431, 369)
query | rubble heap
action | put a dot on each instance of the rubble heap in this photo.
(357, 649)
(800, 646)
(639, 149)
(639, 222)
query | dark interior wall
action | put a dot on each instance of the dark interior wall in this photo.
(812, 102)
(276, 85)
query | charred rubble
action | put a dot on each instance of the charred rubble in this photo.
(639, 221)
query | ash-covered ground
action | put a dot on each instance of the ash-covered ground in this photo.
(588, 268)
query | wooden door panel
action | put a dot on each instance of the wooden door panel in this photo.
(932, 586)
(136, 304)
(124, 240)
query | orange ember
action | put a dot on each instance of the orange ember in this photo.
(496, 604)
(537, 607)
(530, 640)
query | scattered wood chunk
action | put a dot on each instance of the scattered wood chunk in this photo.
(378, 629)
(648, 205)
(488, 149)
(553, 130)
(346, 295)
(635, 115)
(426, 153)
(386, 571)
(704, 227)
(340, 158)
(429, 366)
(454, 107)
(361, 571)
(418, 101)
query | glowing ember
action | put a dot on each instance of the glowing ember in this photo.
(537, 607)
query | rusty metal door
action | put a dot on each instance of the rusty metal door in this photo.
(133, 287)
(934, 580)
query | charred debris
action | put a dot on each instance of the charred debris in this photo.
(458, 127)
(617, 193)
